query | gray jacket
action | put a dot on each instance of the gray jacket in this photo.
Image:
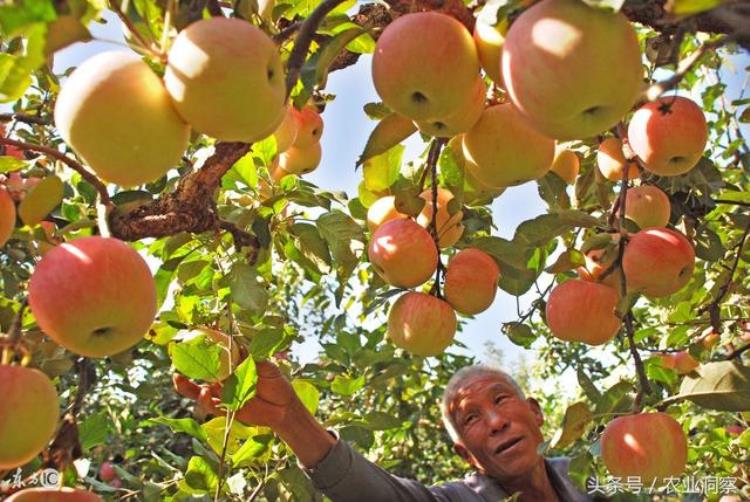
(344, 475)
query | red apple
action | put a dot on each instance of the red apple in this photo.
(107, 472)
(582, 311)
(612, 162)
(658, 262)
(7, 216)
(421, 324)
(403, 253)
(382, 210)
(669, 135)
(566, 165)
(449, 227)
(94, 296)
(651, 446)
(29, 411)
(471, 281)
(309, 126)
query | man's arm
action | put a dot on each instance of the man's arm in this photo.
(334, 467)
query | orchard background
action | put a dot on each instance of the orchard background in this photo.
(282, 265)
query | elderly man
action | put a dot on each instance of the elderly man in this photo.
(494, 427)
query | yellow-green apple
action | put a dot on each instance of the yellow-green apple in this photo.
(658, 262)
(226, 79)
(421, 324)
(423, 64)
(647, 206)
(403, 253)
(474, 190)
(489, 40)
(28, 415)
(382, 210)
(7, 216)
(649, 446)
(114, 112)
(301, 160)
(611, 161)
(286, 133)
(566, 165)
(471, 281)
(94, 296)
(309, 126)
(449, 226)
(546, 52)
(54, 495)
(460, 121)
(230, 351)
(583, 311)
(669, 135)
(502, 150)
(682, 362)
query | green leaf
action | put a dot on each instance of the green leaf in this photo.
(723, 385)
(307, 393)
(269, 341)
(568, 260)
(381, 171)
(94, 430)
(577, 418)
(196, 358)
(184, 425)
(390, 131)
(251, 449)
(239, 388)
(346, 386)
(216, 435)
(200, 475)
(379, 421)
(17, 16)
(690, 7)
(245, 168)
(9, 164)
(247, 292)
(15, 70)
(553, 190)
(616, 399)
(41, 200)
(592, 393)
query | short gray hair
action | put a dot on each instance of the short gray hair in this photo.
(459, 380)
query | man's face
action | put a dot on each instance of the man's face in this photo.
(499, 432)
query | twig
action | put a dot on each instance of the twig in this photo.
(432, 159)
(304, 38)
(653, 92)
(116, 7)
(15, 328)
(287, 32)
(22, 117)
(56, 154)
(738, 352)
(643, 386)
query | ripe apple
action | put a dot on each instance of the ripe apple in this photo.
(28, 415)
(301, 160)
(224, 341)
(599, 261)
(7, 216)
(13, 151)
(309, 126)
(658, 262)
(423, 64)
(489, 40)
(94, 296)
(226, 79)
(474, 190)
(710, 340)
(449, 227)
(286, 133)
(471, 281)
(682, 362)
(647, 206)
(735, 429)
(460, 121)
(669, 135)
(382, 210)
(114, 112)
(54, 495)
(547, 51)
(583, 311)
(612, 161)
(566, 165)
(651, 446)
(502, 150)
(403, 253)
(107, 472)
(421, 324)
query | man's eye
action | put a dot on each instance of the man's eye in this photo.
(469, 419)
(498, 399)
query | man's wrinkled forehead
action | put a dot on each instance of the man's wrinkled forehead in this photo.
(472, 389)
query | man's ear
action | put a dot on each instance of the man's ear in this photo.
(536, 409)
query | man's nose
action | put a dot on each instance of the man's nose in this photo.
(497, 422)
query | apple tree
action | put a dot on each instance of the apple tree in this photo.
(158, 235)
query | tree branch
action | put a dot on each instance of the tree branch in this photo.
(22, 117)
(432, 159)
(76, 166)
(738, 352)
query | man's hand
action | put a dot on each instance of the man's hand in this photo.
(274, 397)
